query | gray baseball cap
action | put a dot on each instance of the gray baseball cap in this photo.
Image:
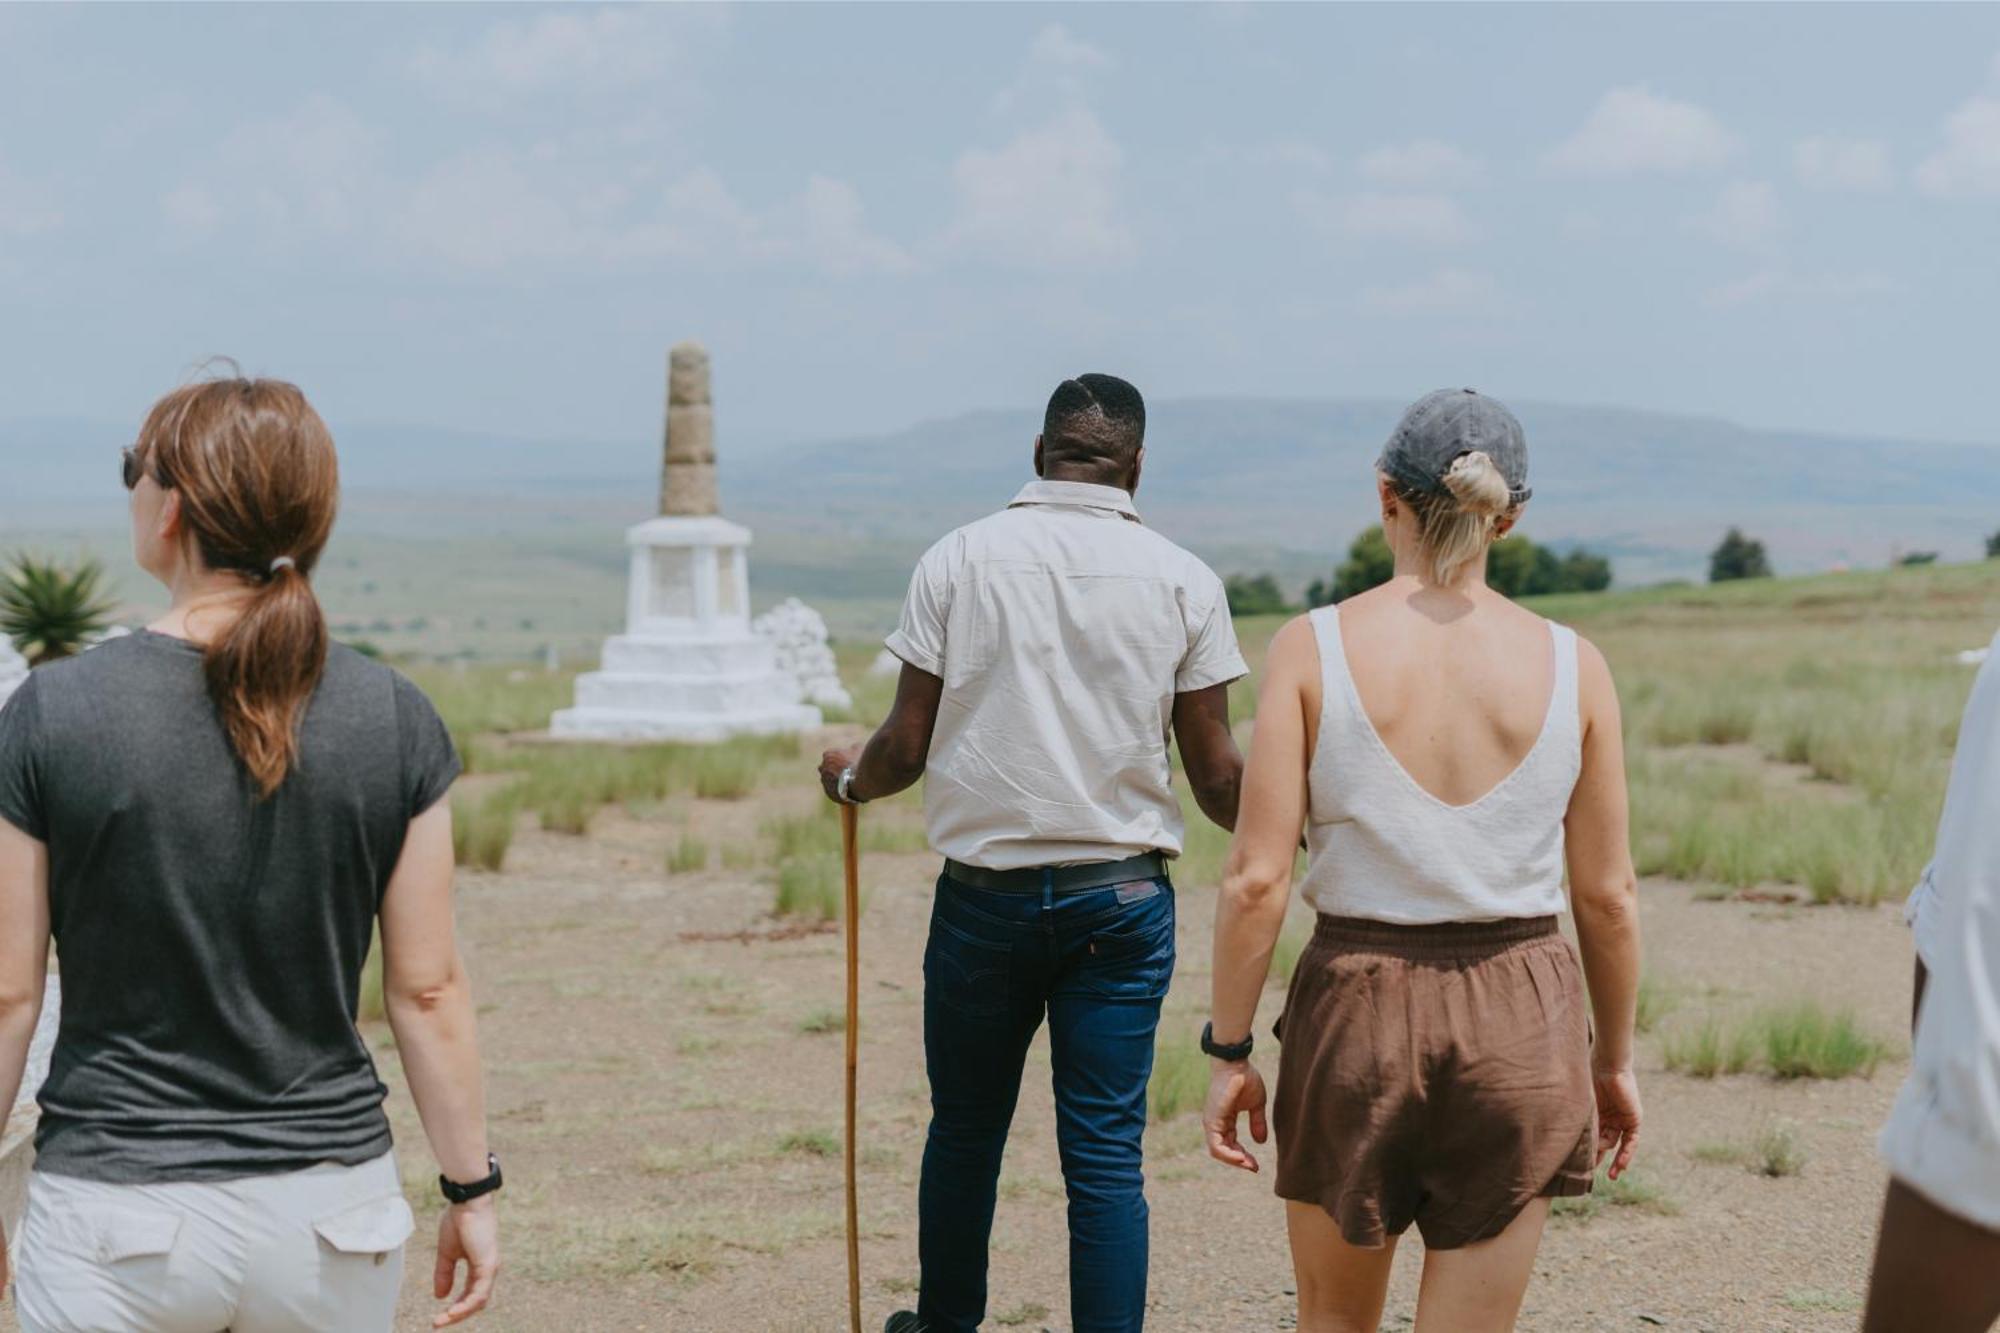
(1440, 428)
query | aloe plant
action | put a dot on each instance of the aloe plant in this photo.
(50, 610)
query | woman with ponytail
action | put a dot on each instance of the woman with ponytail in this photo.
(209, 819)
(1449, 755)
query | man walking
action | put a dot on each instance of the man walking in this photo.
(1049, 652)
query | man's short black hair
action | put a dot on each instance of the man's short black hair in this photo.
(1094, 422)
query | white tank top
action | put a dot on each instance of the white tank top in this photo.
(1382, 847)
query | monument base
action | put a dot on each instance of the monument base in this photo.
(681, 687)
(631, 724)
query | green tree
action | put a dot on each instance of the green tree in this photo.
(50, 611)
(1369, 564)
(1517, 567)
(1254, 595)
(1738, 557)
(1918, 558)
(1584, 571)
(1993, 546)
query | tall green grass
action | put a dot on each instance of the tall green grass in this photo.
(810, 888)
(1793, 1041)
(482, 828)
(1180, 1074)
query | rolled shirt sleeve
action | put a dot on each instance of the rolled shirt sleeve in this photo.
(1943, 1135)
(1213, 656)
(919, 636)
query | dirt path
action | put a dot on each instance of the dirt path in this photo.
(669, 1112)
(666, 1115)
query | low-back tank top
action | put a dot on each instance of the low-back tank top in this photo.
(1382, 847)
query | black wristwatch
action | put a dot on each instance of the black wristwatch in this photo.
(457, 1193)
(1231, 1053)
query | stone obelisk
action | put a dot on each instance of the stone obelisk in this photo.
(688, 666)
(687, 477)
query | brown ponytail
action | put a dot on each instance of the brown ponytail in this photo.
(258, 482)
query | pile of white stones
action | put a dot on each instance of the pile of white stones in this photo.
(798, 636)
(13, 669)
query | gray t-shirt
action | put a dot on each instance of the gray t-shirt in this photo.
(211, 943)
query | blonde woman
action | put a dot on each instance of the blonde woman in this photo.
(1448, 754)
(208, 819)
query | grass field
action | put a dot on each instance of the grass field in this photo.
(649, 931)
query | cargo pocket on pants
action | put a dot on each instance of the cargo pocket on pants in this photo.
(119, 1234)
(375, 1230)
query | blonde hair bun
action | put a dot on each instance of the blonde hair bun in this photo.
(1477, 485)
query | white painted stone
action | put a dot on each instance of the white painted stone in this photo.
(805, 653)
(13, 669)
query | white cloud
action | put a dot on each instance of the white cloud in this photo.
(1968, 161)
(1057, 45)
(1825, 162)
(1746, 214)
(603, 50)
(1054, 73)
(834, 233)
(314, 170)
(1045, 199)
(1424, 219)
(1633, 131)
(190, 209)
(488, 209)
(1421, 164)
(318, 172)
(1446, 290)
(1778, 283)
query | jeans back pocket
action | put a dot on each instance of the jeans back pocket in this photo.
(1129, 955)
(966, 972)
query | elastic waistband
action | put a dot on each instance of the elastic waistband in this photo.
(1060, 879)
(1443, 939)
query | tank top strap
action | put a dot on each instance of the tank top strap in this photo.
(1565, 700)
(1336, 684)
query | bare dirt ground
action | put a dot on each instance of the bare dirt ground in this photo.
(671, 1121)
(665, 1089)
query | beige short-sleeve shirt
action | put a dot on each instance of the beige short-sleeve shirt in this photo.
(1062, 628)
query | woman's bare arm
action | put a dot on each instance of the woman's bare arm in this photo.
(429, 1002)
(1604, 898)
(1257, 881)
(24, 964)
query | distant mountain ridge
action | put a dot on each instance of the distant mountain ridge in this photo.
(1283, 481)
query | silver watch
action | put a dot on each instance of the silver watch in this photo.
(843, 788)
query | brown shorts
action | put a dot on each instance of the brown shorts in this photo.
(1434, 1074)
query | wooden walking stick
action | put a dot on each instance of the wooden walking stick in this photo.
(851, 856)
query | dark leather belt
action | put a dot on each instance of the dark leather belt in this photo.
(1061, 879)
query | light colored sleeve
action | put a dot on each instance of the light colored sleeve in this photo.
(1213, 657)
(1943, 1136)
(1924, 915)
(919, 636)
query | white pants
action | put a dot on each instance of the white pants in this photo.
(314, 1251)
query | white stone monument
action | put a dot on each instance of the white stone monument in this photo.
(688, 666)
(13, 669)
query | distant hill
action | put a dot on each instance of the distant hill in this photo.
(1654, 491)
(1251, 484)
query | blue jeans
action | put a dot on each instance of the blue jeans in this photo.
(1097, 963)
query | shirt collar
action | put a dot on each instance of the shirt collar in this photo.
(1084, 494)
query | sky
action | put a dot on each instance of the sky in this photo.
(498, 219)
